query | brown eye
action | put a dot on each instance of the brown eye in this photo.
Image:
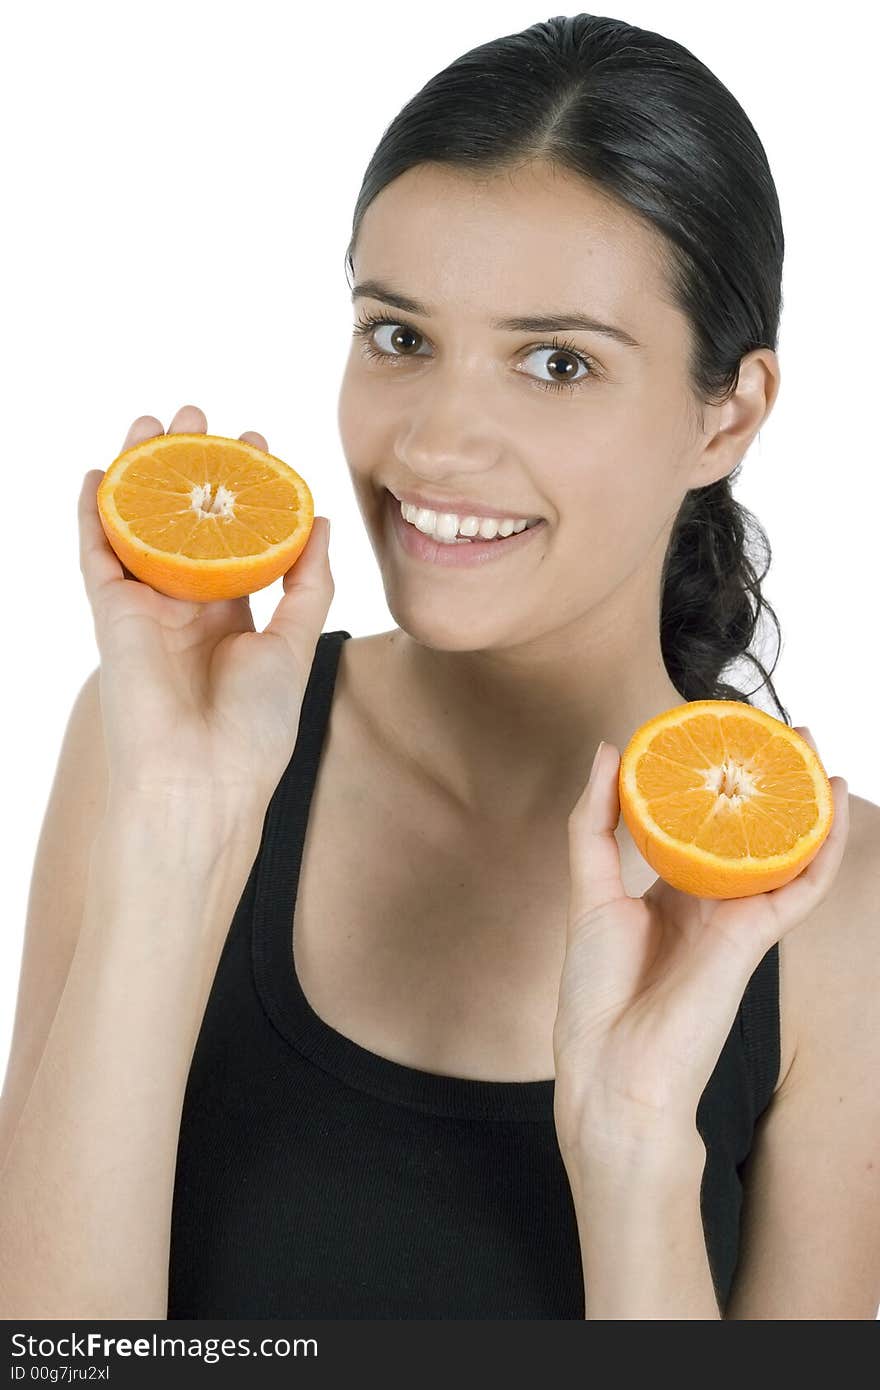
(401, 338)
(569, 367)
(398, 340)
(568, 357)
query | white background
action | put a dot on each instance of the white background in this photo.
(179, 184)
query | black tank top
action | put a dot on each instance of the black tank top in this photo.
(316, 1179)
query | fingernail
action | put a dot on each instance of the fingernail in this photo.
(596, 757)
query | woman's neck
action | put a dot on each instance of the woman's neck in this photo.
(510, 733)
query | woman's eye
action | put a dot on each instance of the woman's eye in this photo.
(398, 345)
(398, 338)
(561, 357)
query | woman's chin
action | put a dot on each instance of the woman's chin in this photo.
(446, 632)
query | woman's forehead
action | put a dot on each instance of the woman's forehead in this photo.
(500, 248)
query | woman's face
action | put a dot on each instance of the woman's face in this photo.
(461, 409)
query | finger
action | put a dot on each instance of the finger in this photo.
(99, 564)
(189, 420)
(593, 850)
(806, 736)
(308, 592)
(252, 437)
(144, 427)
(794, 901)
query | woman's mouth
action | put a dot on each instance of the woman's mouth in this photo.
(459, 552)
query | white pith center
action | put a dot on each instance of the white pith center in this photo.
(731, 780)
(219, 505)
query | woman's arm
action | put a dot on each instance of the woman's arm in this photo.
(810, 1242)
(87, 1184)
(641, 1234)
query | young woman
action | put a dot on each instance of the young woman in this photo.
(460, 1054)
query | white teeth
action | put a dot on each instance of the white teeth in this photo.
(446, 526)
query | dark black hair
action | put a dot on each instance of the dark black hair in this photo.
(647, 123)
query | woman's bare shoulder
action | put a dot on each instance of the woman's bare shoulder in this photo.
(365, 684)
(811, 1219)
(830, 963)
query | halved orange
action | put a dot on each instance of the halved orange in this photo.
(723, 800)
(203, 517)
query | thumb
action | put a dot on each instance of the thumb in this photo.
(594, 855)
(308, 592)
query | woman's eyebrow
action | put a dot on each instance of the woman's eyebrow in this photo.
(523, 323)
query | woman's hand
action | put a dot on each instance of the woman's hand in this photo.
(650, 986)
(195, 702)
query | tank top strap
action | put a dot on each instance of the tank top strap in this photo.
(760, 1023)
(288, 811)
(314, 714)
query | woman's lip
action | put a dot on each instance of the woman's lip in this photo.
(421, 547)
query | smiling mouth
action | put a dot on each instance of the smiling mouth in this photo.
(470, 526)
(455, 551)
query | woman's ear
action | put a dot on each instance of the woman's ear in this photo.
(740, 417)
